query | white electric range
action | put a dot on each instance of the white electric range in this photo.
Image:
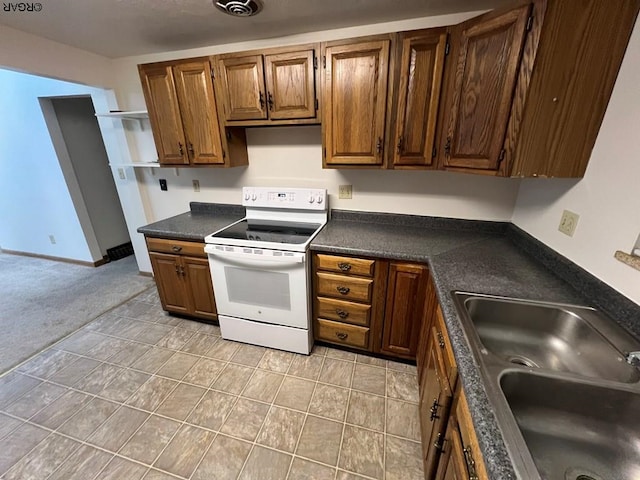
(260, 267)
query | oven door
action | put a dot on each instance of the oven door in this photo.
(256, 284)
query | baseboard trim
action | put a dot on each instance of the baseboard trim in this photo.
(57, 259)
(145, 274)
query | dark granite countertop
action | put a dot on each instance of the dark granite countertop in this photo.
(200, 221)
(480, 257)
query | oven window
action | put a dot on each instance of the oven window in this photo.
(258, 287)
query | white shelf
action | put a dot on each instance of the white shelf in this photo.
(137, 165)
(131, 115)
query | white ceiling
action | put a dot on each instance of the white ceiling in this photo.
(119, 28)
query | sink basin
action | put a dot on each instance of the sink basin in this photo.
(566, 400)
(554, 337)
(576, 431)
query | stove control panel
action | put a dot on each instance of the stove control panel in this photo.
(293, 198)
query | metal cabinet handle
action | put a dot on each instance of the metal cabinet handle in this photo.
(345, 267)
(342, 336)
(343, 290)
(440, 340)
(177, 269)
(400, 145)
(261, 101)
(270, 101)
(379, 145)
(434, 410)
(176, 248)
(471, 464)
(342, 313)
(439, 443)
(180, 149)
(447, 147)
(182, 271)
(191, 150)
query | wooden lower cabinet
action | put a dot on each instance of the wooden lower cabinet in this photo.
(370, 304)
(404, 309)
(449, 444)
(183, 277)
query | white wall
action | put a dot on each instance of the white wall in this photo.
(28, 53)
(84, 143)
(34, 197)
(607, 199)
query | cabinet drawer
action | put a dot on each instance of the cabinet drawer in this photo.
(342, 333)
(344, 287)
(341, 311)
(352, 266)
(178, 247)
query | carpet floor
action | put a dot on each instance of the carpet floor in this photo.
(43, 300)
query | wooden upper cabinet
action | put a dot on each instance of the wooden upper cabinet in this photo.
(421, 66)
(269, 87)
(164, 113)
(566, 83)
(184, 119)
(290, 85)
(485, 64)
(198, 106)
(242, 80)
(355, 102)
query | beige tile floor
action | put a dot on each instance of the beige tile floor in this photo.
(138, 394)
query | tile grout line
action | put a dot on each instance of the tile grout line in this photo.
(344, 419)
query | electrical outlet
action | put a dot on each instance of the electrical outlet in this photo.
(121, 174)
(345, 191)
(196, 185)
(568, 222)
(52, 239)
(163, 184)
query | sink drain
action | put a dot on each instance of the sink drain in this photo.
(525, 362)
(573, 473)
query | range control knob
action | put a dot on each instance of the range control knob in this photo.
(311, 199)
(319, 199)
(254, 197)
(247, 195)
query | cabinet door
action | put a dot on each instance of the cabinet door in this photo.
(355, 101)
(405, 307)
(200, 287)
(164, 113)
(421, 68)
(198, 108)
(243, 86)
(171, 285)
(487, 51)
(290, 85)
(435, 403)
(452, 463)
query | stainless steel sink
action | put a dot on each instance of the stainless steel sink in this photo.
(576, 431)
(566, 400)
(548, 336)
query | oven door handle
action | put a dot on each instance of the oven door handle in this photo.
(250, 259)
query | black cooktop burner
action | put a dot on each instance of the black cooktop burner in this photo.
(269, 231)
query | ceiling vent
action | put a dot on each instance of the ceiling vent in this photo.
(239, 8)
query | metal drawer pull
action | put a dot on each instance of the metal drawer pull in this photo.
(342, 313)
(343, 290)
(177, 269)
(471, 464)
(440, 340)
(345, 267)
(176, 248)
(342, 336)
(434, 410)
